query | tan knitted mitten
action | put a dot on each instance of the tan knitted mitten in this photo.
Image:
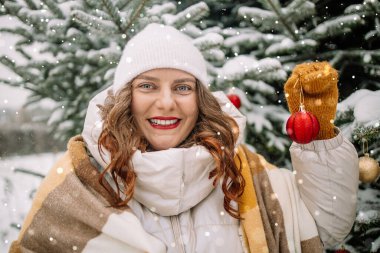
(320, 91)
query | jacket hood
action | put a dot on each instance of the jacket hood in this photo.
(168, 181)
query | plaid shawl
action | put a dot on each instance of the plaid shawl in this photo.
(71, 212)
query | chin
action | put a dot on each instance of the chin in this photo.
(162, 146)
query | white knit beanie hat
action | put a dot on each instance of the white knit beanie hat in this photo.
(159, 46)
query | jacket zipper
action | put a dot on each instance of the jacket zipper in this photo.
(177, 233)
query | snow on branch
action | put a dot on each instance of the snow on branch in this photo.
(335, 27)
(249, 40)
(259, 86)
(269, 4)
(214, 55)
(158, 10)
(369, 7)
(29, 17)
(287, 46)
(31, 4)
(367, 219)
(208, 41)
(114, 14)
(242, 67)
(192, 13)
(258, 17)
(298, 11)
(93, 23)
(54, 8)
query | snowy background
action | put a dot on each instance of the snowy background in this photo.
(17, 187)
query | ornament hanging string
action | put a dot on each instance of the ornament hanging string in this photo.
(302, 106)
(365, 146)
(302, 126)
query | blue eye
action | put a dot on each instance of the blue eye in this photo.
(146, 86)
(183, 88)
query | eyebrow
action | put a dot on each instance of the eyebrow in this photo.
(150, 78)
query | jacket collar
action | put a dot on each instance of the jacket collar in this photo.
(174, 180)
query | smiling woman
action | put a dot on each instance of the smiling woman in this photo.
(164, 104)
(160, 167)
(168, 108)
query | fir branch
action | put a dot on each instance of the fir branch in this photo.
(23, 73)
(375, 245)
(135, 15)
(54, 8)
(335, 27)
(371, 35)
(344, 117)
(34, 98)
(114, 13)
(93, 4)
(374, 5)
(192, 13)
(101, 14)
(299, 10)
(19, 31)
(8, 63)
(29, 172)
(159, 10)
(12, 8)
(92, 23)
(22, 51)
(208, 41)
(286, 46)
(31, 4)
(367, 220)
(8, 82)
(283, 20)
(121, 4)
(368, 134)
(15, 225)
(268, 5)
(258, 17)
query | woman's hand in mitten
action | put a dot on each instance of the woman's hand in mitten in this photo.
(320, 93)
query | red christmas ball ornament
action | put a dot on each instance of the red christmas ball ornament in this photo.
(235, 100)
(302, 126)
(342, 250)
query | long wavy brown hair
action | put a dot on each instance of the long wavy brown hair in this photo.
(214, 129)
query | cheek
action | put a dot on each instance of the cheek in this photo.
(193, 114)
(138, 107)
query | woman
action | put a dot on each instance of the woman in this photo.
(159, 168)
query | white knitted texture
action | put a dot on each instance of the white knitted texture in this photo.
(159, 46)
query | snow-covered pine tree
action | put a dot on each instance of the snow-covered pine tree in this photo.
(82, 41)
(359, 118)
(264, 40)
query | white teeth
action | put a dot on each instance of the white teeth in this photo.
(163, 122)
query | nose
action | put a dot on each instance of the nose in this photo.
(166, 100)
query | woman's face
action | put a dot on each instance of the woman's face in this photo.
(164, 105)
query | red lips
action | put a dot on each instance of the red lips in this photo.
(164, 127)
(164, 118)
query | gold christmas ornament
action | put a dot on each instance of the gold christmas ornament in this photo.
(369, 169)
